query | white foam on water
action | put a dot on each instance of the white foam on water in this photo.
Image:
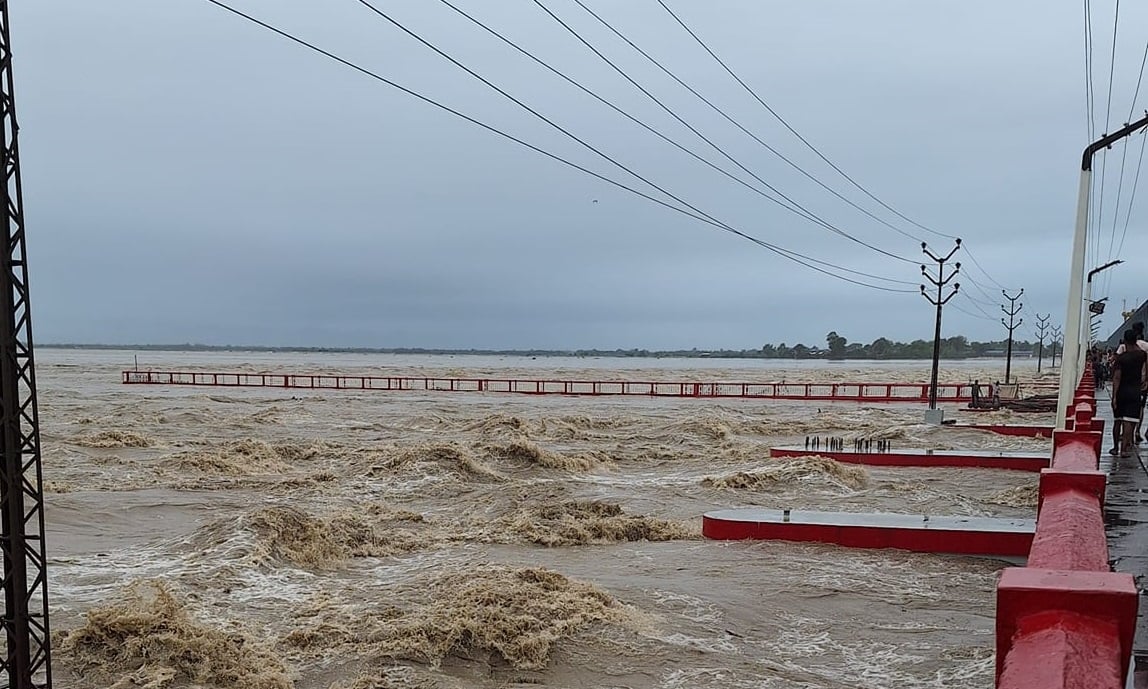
(766, 616)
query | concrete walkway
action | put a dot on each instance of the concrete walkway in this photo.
(1126, 519)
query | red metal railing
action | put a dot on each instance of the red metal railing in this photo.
(1066, 621)
(827, 392)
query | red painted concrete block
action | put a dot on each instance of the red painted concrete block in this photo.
(1076, 451)
(1083, 412)
(1070, 533)
(1091, 483)
(1019, 430)
(1093, 439)
(1063, 651)
(957, 535)
(1030, 600)
(923, 458)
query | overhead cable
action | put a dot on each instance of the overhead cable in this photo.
(981, 315)
(786, 124)
(1107, 126)
(802, 210)
(1131, 112)
(973, 258)
(611, 28)
(1132, 196)
(1139, 79)
(791, 255)
(1089, 88)
(709, 103)
(646, 126)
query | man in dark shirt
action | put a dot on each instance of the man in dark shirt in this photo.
(1128, 378)
(1138, 328)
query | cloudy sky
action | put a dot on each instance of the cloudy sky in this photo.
(190, 177)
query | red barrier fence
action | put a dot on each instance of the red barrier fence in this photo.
(819, 392)
(1065, 621)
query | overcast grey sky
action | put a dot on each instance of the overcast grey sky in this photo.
(192, 178)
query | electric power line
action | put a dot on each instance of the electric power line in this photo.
(793, 131)
(637, 121)
(1107, 126)
(1131, 112)
(802, 210)
(986, 273)
(970, 313)
(989, 299)
(1112, 68)
(1132, 195)
(786, 253)
(1089, 89)
(1139, 79)
(697, 38)
(1119, 191)
(978, 306)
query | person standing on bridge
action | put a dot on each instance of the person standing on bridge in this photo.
(1138, 329)
(1128, 377)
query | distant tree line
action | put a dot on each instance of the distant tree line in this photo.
(959, 347)
(836, 348)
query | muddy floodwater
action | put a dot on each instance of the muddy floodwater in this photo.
(265, 539)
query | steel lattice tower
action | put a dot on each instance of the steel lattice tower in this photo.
(26, 662)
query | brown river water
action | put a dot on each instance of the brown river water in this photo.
(265, 539)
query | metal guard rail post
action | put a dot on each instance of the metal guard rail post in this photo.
(1065, 621)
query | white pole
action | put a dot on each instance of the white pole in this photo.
(1085, 328)
(1072, 356)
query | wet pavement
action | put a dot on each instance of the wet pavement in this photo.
(1126, 522)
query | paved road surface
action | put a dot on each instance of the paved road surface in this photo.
(1126, 516)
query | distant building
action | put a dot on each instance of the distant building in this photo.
(1140, 314)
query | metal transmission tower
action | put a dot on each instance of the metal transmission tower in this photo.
(1012, 324)
(939, 282)
(1041, 331)
(26, 663)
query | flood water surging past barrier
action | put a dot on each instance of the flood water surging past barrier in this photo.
(816, 392)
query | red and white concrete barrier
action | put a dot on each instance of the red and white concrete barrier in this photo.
(1065, 621)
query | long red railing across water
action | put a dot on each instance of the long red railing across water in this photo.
(823, 392)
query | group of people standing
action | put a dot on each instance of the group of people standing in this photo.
(1129, 369)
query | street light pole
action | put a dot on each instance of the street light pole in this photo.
(1071, 364)
(1088, 295)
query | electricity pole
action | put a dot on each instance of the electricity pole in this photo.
(1012, 324)
(1041, 330)
(25, 663)
(1055, 341)
(939, 282)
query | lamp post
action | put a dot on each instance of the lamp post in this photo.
(1072, 357)
(1088, 297)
